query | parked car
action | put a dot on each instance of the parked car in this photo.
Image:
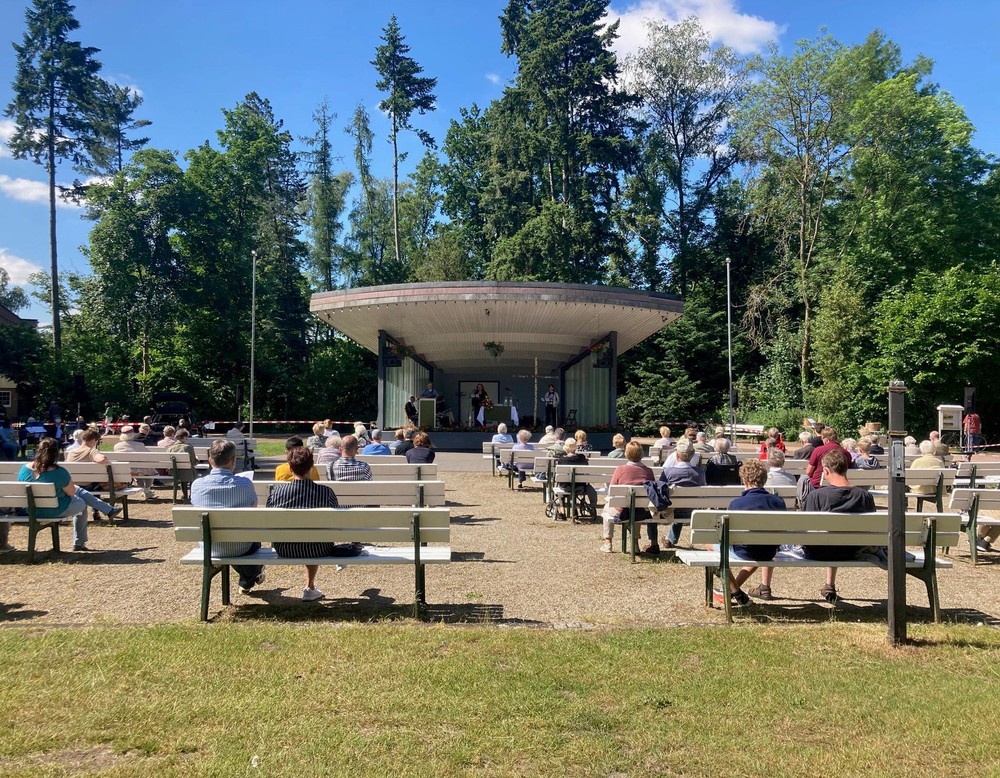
(170, 407)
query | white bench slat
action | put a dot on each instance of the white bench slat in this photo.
(374, 555)
(373, 493)
(695, 557)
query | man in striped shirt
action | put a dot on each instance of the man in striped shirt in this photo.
(221, 489)
(347, 468)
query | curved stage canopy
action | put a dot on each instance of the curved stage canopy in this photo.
(444, 327)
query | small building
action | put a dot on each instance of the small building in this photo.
(514, 338)
(11, 402)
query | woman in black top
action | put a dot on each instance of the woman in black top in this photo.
(478, 397)
(301, 492)
(421, 453)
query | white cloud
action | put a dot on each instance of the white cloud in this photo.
(126, 81)
(18, 269)
(6, 131)
(724, 24)
(494, 79)
(28, 191)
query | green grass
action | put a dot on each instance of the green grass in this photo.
(434, 700)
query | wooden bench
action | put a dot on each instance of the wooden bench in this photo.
(687, 498)
(494, 452)
(421, 494)
(415, 528)
(977, 475)
(930, 531)
(561, 486)
(512, 460)
(974, 501)
(29, 497)
(877, 482)
(86, 473)
(176, 463)
(246, 451)
(397, 469)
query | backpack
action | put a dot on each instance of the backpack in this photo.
(658, 493)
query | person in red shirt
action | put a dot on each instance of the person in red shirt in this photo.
(973, 427)
(633, 472)
(815, 467)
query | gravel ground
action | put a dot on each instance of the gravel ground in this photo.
(511, 566)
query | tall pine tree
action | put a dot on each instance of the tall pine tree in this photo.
(56, 101)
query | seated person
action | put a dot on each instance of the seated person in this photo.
(168, 438)
(421, 453)
(410, 410)
(681, 473)
(408, 434)
(235, 432)
(317, 440)
(723, 469)
(702, 446)
(618, 452)
(839, 496)
(502, 436)
(865, 460)
(330, 452)
(9, 446)
(556, 447)
(665, 442)
(283, 472)
(183, 447)
(142, 475)
(571, 456)
(635, 473)
(753, 474)
(581, 441)
(911, 449)
(303, 492)
(809, 442)
(776, 473)
(348, 468)
(931, 458)
(523, 436)
(376, 447)
(548, 438)
(398, 437)
(361, 433)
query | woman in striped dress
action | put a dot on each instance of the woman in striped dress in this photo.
(301, 492)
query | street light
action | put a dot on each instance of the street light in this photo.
(729, 335)
(253, 330)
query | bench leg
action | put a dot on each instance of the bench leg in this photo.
(420, 590)
(125, 508)
(709, 579)
(970, 529)
(929, 577)
(225, 585)
(55, 537)
(207, 574)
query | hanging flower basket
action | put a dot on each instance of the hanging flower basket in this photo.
(600, 348)
(399, 350)
(494, 348)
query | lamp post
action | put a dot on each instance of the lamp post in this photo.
(729, 335)
(253, 329)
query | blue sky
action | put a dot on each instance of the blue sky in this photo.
(191, 58)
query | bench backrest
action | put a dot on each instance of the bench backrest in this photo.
(245, 447)
(584, 474)
(519, 457)
(879, 477)
(89, 472)
(819, 528)
(977, 472)
(695, 497)
(374, 493)
(325, 525)
(9, 470)
(396, 469)
(492, 449)
(15, 494)
(986, 499)
(153, 458)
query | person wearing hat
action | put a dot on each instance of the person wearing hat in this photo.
(377, 446)
(142, 475)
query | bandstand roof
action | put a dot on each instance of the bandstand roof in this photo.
(447, 323)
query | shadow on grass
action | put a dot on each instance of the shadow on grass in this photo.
(11, 611)
(855, 610)
(477, 556)
(371, 606)
(467, 519)
(98, 556)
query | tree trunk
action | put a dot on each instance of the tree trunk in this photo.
(53, 247)
(395, 192)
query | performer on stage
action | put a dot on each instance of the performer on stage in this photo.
(551, 401)
(478, 397)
